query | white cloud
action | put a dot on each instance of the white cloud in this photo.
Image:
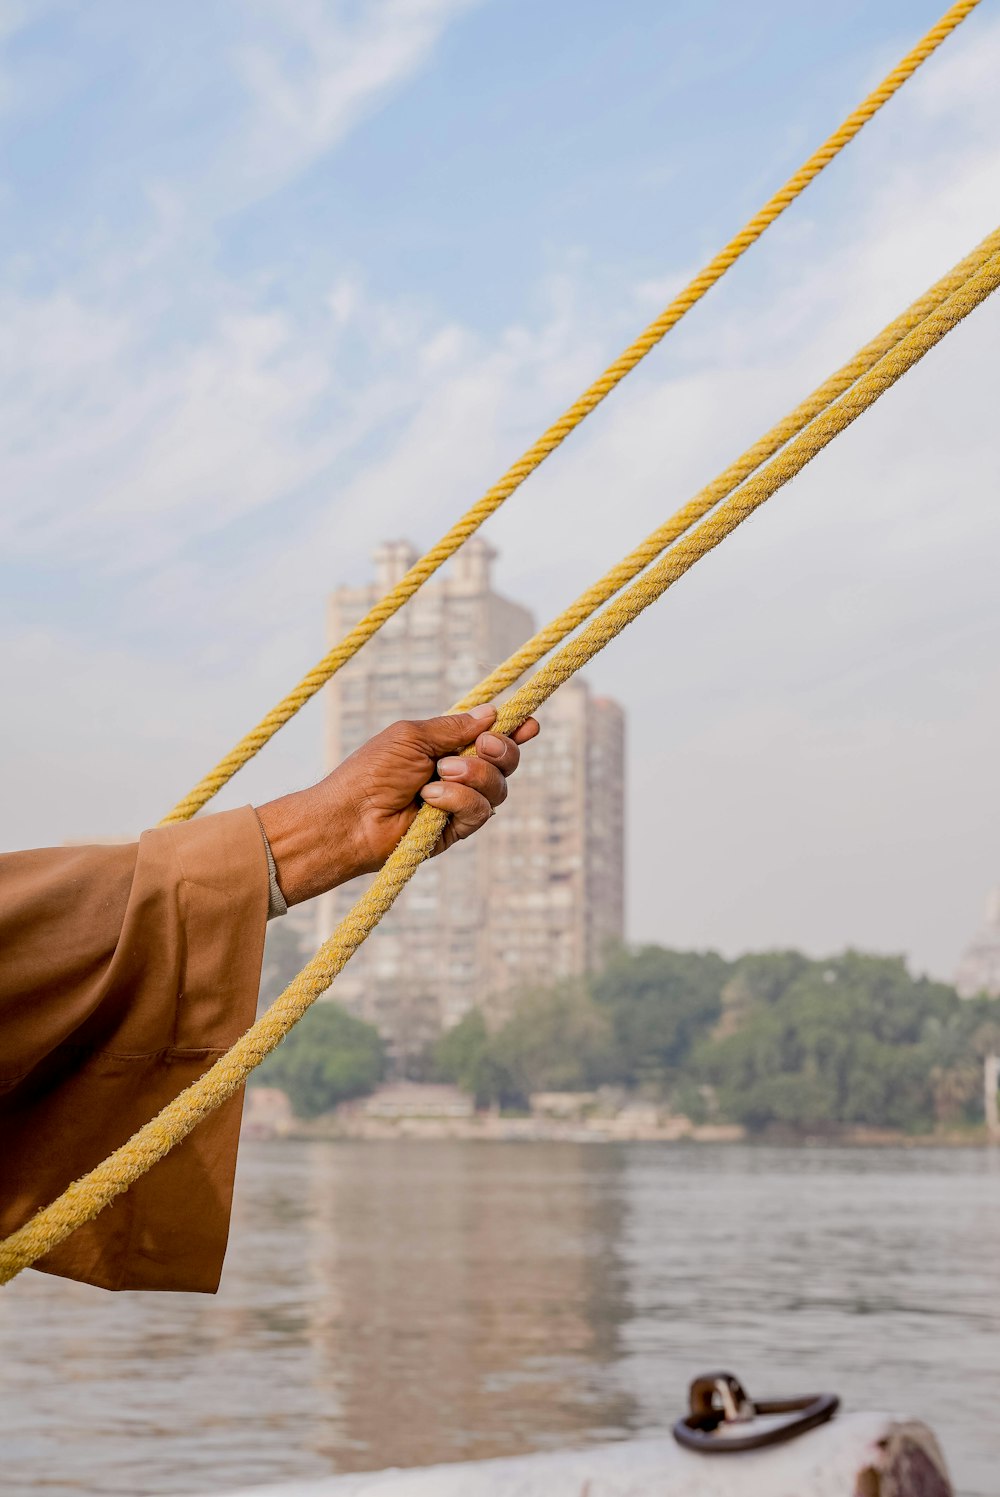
(148, 400)
(318, 67)
(128, 456)
(814, 713)
(311, 72)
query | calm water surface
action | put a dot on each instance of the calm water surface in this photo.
(402, 1303)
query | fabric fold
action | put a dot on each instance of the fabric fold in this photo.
(126, 972)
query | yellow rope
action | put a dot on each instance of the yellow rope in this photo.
(470, 522)
(86, 1197)
(553, 633)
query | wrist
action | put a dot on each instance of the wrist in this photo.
(312, 851)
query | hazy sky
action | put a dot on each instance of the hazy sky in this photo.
(281, 278)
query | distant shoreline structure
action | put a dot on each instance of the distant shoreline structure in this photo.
(978, 972)
(436, 1121)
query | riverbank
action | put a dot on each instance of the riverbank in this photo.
(269, 1116)
(532, 1130)
(495, 1129)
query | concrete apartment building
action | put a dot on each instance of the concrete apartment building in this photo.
(539, 892)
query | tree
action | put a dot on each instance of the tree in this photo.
(327, 1058)
(852, 1040)
(658, 1004)
(464, 1055)
(756, 980)
(555, 1039)
(774, 1039)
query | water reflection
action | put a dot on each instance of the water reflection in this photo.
(461, 1299)
(413, 1302)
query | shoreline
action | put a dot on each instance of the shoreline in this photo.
(535, 1130)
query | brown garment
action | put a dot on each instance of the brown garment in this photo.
(124, 973)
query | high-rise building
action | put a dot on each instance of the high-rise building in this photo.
(979, 970)
(539, 892)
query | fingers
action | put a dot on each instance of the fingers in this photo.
(468, 809)
(488, 779)
(495, 758)
(503, 751)
(471, 786)
(453, 732)
(457, 730)
(493, 748)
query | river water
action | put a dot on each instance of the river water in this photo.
(403, 1303)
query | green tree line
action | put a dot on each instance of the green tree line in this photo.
(771, 1040)
(330, 1056)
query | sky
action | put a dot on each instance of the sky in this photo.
(282, 278)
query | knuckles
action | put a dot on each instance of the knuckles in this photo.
(404, 734)
(506, 758)
(498, 789)
(407, 728)
(479, 814)
(472, 811)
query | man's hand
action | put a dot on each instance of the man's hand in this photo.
(350, 822)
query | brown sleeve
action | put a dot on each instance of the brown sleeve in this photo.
(125, 972)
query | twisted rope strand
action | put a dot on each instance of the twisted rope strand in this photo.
(658, 540)
(86, 1197)
(747, 499)
(470, 522)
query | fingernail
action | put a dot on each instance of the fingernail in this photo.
(492, 744)
(433, 791)
(482, 712)
(452, 766)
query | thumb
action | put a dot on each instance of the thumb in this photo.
(456, 730)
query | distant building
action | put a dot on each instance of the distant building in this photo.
(267, 1113)
(411, 1099)
(979, 970)
(538, 893)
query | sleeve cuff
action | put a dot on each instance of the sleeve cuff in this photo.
(276, 902)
